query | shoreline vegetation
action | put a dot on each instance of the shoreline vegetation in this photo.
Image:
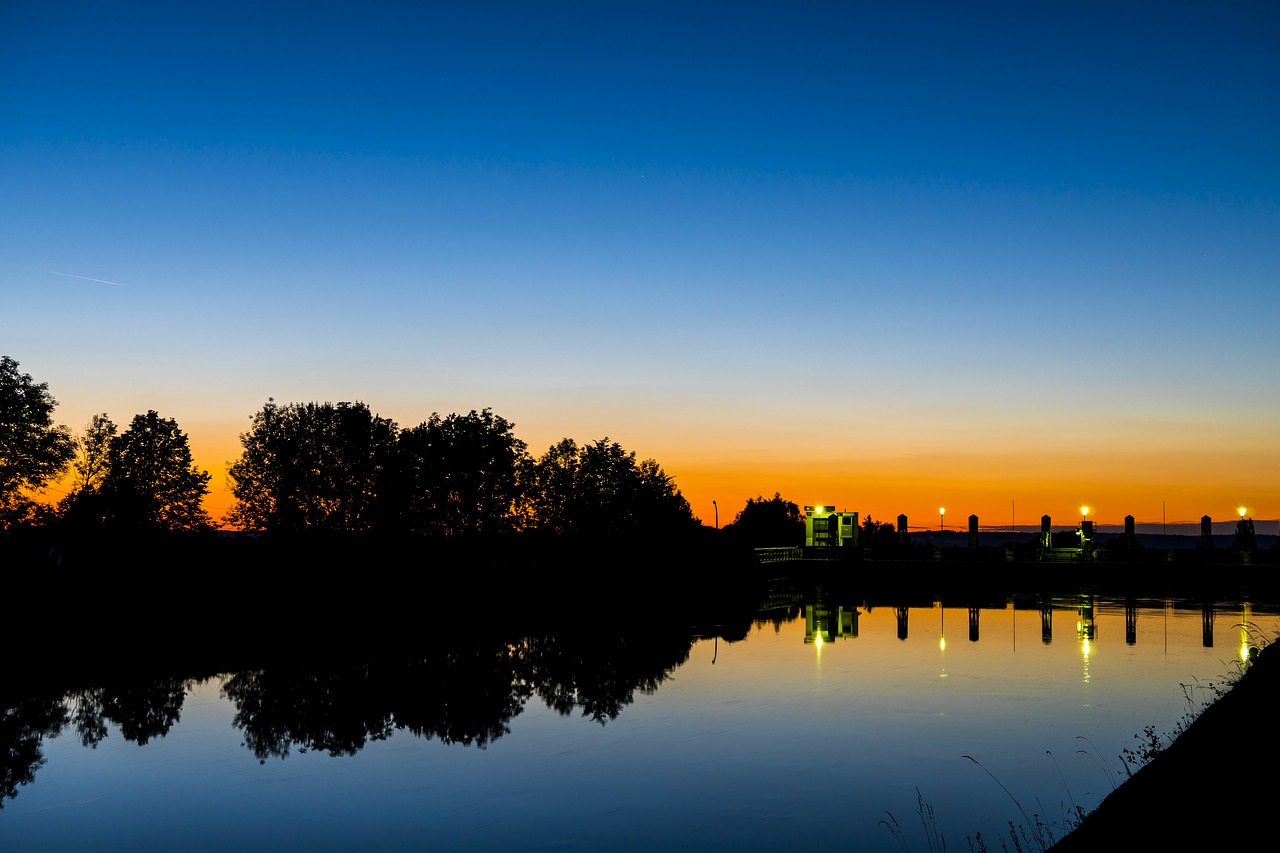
(1198, 792)
(1183, 789)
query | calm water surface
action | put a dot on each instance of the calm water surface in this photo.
(784, 739)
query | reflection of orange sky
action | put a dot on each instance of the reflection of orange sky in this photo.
(1002, 630)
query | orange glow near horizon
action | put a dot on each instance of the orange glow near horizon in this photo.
(1010, 487)
(999, 498)
(881, 498)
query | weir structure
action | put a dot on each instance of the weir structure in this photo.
(830, 533)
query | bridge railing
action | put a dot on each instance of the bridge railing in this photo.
(779, 555)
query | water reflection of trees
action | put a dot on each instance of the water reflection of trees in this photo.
(460, 693)
(142, 710)
(464, 693)
(453, 684)
(24, 725)
(439, 679)
(601, 674)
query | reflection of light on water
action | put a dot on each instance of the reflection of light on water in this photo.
(1244, 632)
(1085, 649)
(942, 640)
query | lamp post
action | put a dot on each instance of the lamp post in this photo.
(942, 511)
(717, 509)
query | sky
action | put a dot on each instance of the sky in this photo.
(1004, 258)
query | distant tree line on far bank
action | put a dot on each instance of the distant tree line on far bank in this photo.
(341, 468)
(327, 467)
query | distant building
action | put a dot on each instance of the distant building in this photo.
(826, 528)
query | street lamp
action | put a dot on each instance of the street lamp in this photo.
(1242, 511)
(1084, 513)
(942, 511)
(717, 509)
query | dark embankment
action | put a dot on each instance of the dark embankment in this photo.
(1213, 787)
(222, 603)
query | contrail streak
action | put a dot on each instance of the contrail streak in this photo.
(85, 278)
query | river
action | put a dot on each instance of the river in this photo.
(818, 723)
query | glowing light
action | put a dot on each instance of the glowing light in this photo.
(1241, 511)
(1245, 649)
(1084, 512)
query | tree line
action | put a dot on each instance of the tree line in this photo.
(327, 467)
(340, 467)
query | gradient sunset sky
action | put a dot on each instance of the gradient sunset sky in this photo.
(893, 256)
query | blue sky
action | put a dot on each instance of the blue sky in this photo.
(889, 257)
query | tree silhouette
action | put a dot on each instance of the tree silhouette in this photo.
(604, 491)
(33, 450)
(313, 466)
(878, 535)
(93, 452)
(460, 475)
(84, 506)
(552, 487)
(767, 522)
(151, 480)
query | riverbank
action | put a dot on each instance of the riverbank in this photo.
(1214, 786)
